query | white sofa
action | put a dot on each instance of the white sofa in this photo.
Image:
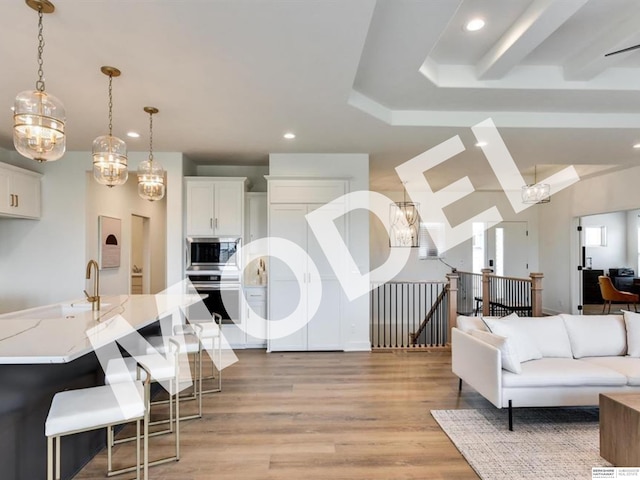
(561, 360)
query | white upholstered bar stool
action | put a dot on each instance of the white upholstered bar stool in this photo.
(187, 337)
(93, 408)
(210, 336)
(157, 369)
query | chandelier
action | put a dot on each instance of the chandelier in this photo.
(109, 152)
(150, 173)
(38, 117)
(536, 192)
(403, 217)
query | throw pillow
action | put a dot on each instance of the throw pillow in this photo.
(548, 334)
(467, 324)
(632, 324)
(508, 352)
(596, 335)
(508, 327)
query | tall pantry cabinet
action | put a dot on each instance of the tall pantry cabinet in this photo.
(290, 200)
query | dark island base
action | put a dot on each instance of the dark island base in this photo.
(26, 392)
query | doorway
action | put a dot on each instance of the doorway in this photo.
(507, 249)
(140, 261)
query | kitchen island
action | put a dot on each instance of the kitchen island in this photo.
(49, 349)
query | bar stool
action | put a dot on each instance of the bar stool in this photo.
(93, 408)
(211, 337)
(151, 368)
(188, 338)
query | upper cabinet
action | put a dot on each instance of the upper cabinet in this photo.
(215, 206)
(19, 192)
(255, 226)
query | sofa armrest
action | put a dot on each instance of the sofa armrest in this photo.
(478, 364)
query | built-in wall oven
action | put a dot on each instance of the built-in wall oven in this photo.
(213, 271)
(221, 294)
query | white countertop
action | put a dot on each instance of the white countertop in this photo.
(61, 332)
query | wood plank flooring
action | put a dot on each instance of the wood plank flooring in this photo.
(308, 416)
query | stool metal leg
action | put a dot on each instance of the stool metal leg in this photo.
(49, 458)
(57, 444)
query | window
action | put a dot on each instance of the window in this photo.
(595, 236)
(638, 250)
(431, 240)
(477, 245)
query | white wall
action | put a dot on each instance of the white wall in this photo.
(43, 261)
(121, 202)
(559, 252)
(633, 222)
(255, 174)
(355, 167)
(614, 254)
(460, 256)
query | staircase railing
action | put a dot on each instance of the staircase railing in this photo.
(489, 294)
(421, 314)
(398, 311)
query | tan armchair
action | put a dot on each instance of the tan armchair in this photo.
(611, 294)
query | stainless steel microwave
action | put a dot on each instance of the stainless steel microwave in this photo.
(211, 253)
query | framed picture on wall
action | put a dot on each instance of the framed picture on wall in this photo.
(110, 234)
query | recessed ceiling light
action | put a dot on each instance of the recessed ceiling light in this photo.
(637, 145)
(289, 136)
(474, 25)
(481, 144)
(133, 134)
(13, 109)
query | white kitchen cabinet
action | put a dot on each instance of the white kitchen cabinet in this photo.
(256, 310)
(255, 219)
(19, 192)
(214, 206)
(320, 330)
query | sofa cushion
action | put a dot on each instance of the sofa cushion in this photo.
(596, 335)
(508, 353)
(467, 324)
(632, 324)
(509, 327)
(627, 366)
(562, 372)
(549, 335)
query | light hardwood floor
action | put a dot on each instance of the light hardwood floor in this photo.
(308, 416)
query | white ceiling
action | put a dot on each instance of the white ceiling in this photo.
(391, 78)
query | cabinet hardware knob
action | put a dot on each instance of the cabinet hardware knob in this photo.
(12, 200)
(17, 200)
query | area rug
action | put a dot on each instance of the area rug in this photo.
(547, 443)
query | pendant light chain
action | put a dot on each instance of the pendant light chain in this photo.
(151, 137)
(110, 105)
(40, 82)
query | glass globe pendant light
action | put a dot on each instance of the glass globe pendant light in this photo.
(536, 192)
(109, 152)
(150, 173)
(38, 117)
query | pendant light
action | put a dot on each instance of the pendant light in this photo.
(403, 217)
(150, 173)
(109, 152)
(536, 192)
(38, 117)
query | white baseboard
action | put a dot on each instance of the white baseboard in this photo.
(357, 347)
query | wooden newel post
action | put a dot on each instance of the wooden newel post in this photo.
(486, 291)
(536, 294)
(453, 299)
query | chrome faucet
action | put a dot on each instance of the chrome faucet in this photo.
(95, 298)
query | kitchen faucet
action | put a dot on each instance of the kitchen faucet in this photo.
(95, 298)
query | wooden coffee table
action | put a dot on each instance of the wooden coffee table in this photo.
(620, 428)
